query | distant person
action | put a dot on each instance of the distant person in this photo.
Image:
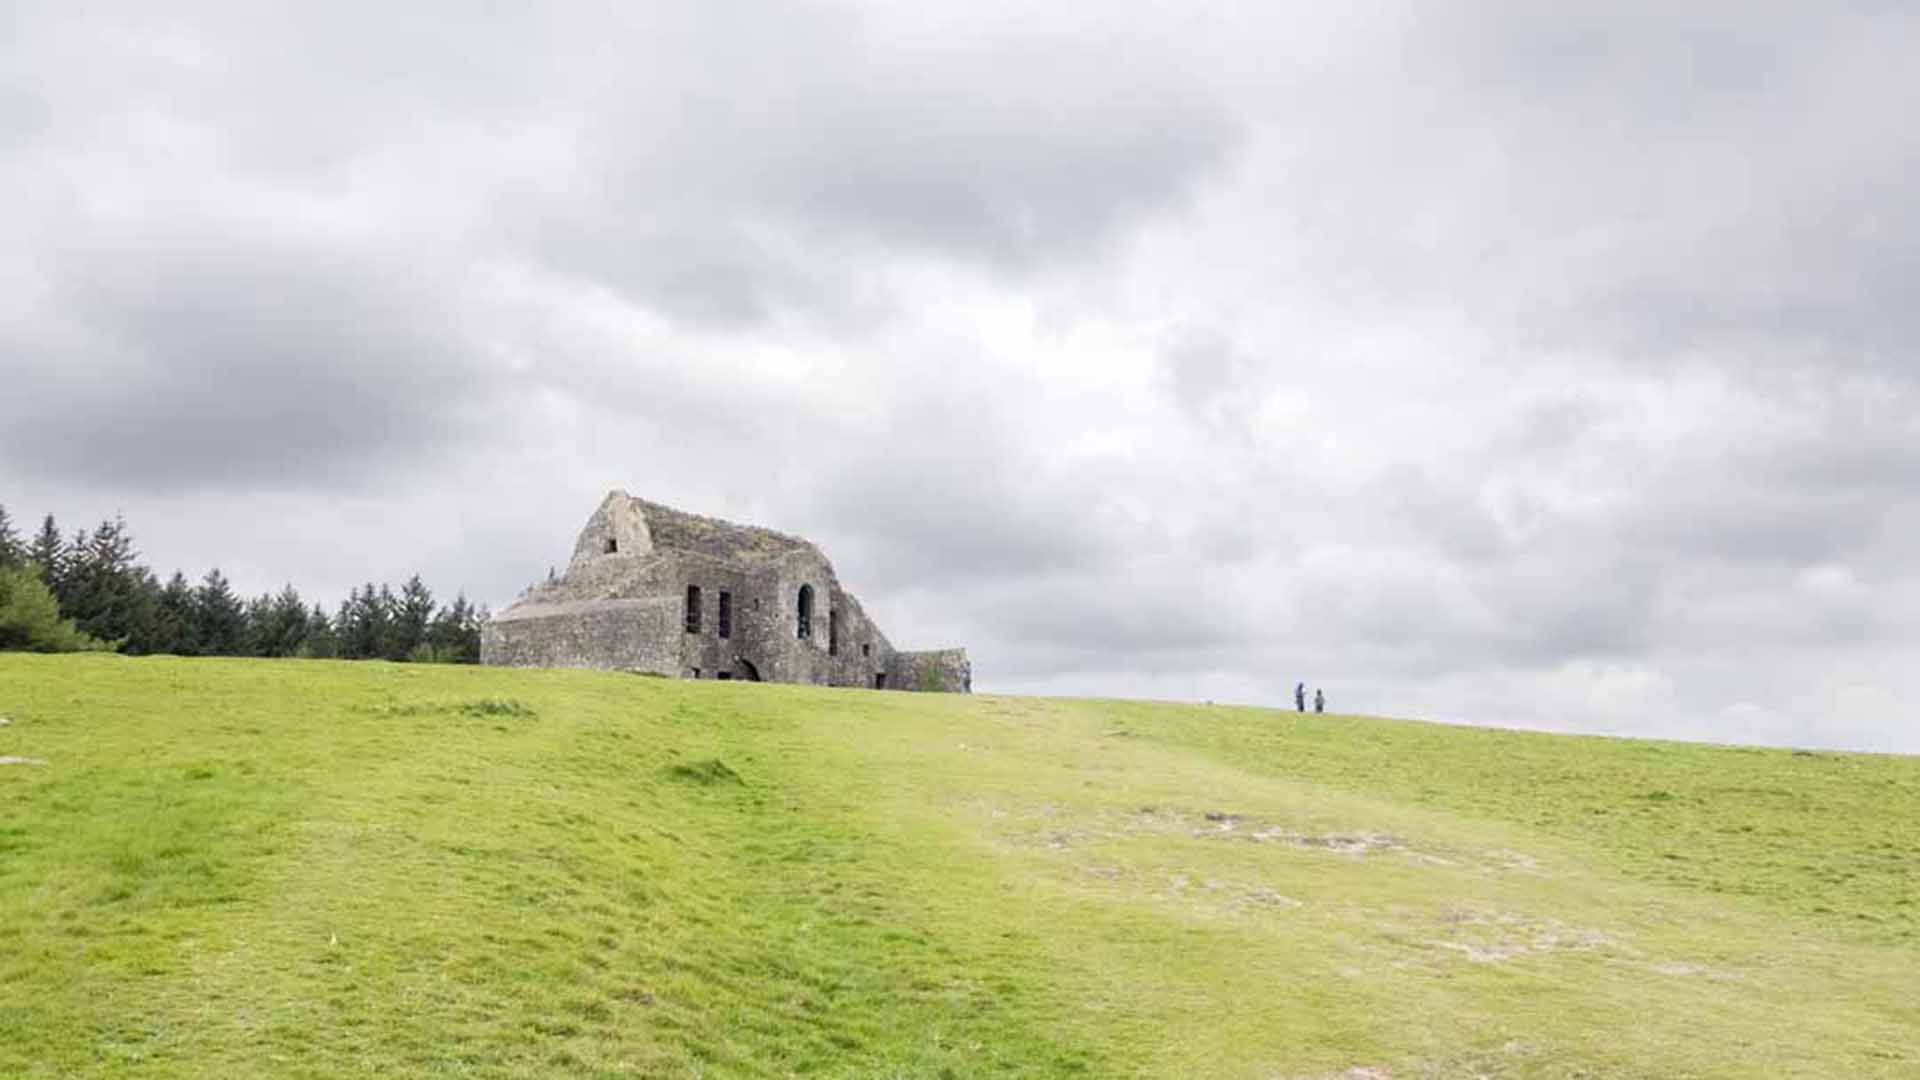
(1319, 700)
(1300, 697)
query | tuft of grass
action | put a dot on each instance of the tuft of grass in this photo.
(266, 868)
(496, 707)
(705, 773)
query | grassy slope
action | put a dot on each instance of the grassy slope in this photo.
(282, 868)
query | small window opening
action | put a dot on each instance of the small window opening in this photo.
(833, 632)
(724, 623)
(693, 609)
(804, 628)
(613, 546)
(879, 680)
(866, 648)
(723, 676)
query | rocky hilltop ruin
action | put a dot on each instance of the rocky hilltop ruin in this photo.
(659, 590)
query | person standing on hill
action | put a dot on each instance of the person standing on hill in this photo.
(1319, 700)
(1300, 697)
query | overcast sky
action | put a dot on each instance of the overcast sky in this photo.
(1540, 365)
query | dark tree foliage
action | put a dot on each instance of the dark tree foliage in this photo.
(365, 623)
(282, 627)
(454, 636)
(320, 644)
(99, 585)
(219, 618)
(107, 593)
(49, 552)
(253, 625)
(173, 625)
(12, 551)
(412, 616)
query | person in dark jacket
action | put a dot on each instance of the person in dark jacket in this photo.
(1319, 700)
(1300, 697)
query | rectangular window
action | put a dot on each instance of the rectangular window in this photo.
(866, 649)
(833, 632)
(725, 622)
(693, 609)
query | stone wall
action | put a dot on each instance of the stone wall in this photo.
(935, 670)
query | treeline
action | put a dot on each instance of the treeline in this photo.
(103, 594)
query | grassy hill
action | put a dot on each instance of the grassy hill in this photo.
(260, 868)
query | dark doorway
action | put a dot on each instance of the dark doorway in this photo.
(747, 669)
(879, 680)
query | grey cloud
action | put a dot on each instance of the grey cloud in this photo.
(760, 156)
(1706, 179)
(173, 361)
(1210, 378)
(953, 482)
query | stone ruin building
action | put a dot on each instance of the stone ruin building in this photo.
(658, 590)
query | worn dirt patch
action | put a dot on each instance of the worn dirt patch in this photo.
(7, 760)
(1236, 895)
(1218, 823)
(1057, 828)
(1493, 937)
(1677, 969)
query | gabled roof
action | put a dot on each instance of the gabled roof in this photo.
(677, 530)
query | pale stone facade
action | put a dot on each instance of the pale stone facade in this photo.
(659, 590)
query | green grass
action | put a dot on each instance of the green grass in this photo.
(264, 868)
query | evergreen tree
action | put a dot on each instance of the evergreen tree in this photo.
(219, 619)
(412, 618)
(102, 591)
(65, 587)
(320, 643)
(283, 626)
(12, 551)
(455, 636)
(256, 626)
(143, 613)
(388, 606)
(49, 552)
(173, 623)
(365, 626)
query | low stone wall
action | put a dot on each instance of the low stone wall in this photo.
(934, 671)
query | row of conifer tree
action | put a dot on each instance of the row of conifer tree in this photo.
(101, 586)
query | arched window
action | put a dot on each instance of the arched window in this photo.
(806, 611)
